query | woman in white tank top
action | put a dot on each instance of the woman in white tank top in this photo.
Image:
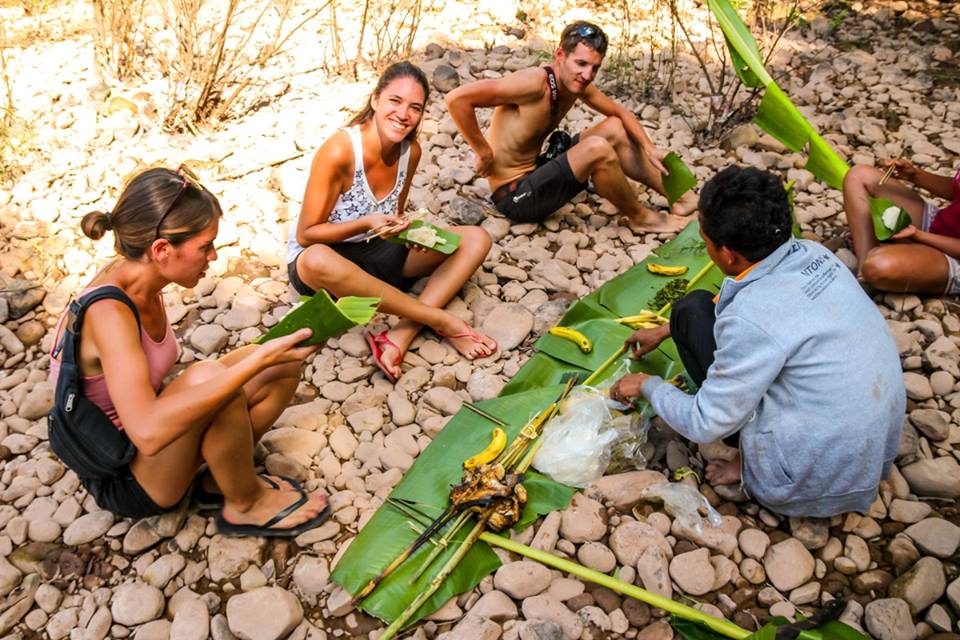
(359, 181)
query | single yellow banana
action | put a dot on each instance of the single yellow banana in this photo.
(574, 336)
(643, 320)
(665, 270)
(498, 440)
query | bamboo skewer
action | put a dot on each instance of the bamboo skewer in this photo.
(483, 414)
(889, 172)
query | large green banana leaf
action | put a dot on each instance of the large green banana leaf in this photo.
(777, 115)
(877, 207)
(539, 371)
(427, 486)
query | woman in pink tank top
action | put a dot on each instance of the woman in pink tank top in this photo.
(923, 257)
(164, 227)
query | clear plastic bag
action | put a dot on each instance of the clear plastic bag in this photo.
(685, 504)
(590, 437)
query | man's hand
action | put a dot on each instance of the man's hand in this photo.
(484, 162)
(628, 387)
(656, 157)
(643, 341)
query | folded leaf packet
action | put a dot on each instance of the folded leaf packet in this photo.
(679, 180)
(439, 240)
(888, 218)
(327, 318)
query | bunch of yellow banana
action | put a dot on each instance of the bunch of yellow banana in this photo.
(498, 440)
(574, 336)
(665, 270)
(644, 320)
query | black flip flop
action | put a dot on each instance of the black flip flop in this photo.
(208, 500)
(267, 529)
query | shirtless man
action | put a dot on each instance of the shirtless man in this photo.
(528, 105)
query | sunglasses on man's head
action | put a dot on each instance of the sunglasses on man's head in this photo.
(586, 31)
(189, 178)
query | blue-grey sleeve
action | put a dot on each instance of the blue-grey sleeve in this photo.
(746, 363)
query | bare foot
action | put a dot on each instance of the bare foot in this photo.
(269, 503)
(387, 353)
(655, 222)
(687, 204)
(467, 341)
(724, 472)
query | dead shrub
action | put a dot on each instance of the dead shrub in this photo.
(118, 27)
(216, 63)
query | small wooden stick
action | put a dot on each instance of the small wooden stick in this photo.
(889, 172)
(480, 412)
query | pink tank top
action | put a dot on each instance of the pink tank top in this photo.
(161, 357)
(947, 220)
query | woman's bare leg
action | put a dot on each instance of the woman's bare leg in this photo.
(226, 444)
(862, 183)
(320, 267)
(907, 266)
(449, 273)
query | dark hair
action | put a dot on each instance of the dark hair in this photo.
(746, 210)
(394, 72)
(585, 32)
(171, 199)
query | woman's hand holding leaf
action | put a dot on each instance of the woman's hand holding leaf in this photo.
(907, 233)
(284, 349)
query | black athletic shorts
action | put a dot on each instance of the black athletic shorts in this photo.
(381, 259)
(122, 495)
(541, 192)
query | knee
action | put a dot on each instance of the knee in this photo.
(692, 307)
(613, 130)
(861, 175)
(598, 150)
(318, 263)
(476, 240)
(879, 268)
(201, 372)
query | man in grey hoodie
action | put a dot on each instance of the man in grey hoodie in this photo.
(791, 356)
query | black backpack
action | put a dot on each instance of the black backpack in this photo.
(80, 433)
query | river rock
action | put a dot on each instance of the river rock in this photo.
(921, 586)
(245, 614)
(88, 528)
(191, 621)
(547, 607)
(445, 78)
(583, 520)
(630, 539)
(135, 603)
(693, 572)
(522, 579)
(908, 511)
(934, 477)
(788, 564)
(753, 543)
(229, 557)
(209, 338)
(495, 605)
(931, 423)
(653, 570)
(624, 490)
(935, 536)
(509, 325)
(889, 619)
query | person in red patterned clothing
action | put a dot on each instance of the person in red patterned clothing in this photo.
(923, 258)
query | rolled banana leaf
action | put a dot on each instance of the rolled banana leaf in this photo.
(325, 317)
(880, 229)
(679, 180)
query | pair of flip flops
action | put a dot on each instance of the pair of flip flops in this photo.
(208, 500)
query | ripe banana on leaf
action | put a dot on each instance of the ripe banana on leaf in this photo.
(644, 320)
(574, 336)
(498, 440)
(666, 270)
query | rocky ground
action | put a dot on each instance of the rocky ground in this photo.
(881, 80)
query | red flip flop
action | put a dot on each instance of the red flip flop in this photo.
(473, 335)
(375, 341)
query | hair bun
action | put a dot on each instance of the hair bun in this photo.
(95, 224)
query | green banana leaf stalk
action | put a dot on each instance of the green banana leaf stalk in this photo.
(679, 180)
(325, 317)
(777, 115)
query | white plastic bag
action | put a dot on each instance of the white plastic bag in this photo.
(588, 432)
(685, 504)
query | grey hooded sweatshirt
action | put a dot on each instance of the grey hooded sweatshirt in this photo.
(808, 372)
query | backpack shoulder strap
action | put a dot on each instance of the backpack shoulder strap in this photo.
(554, 90)
(77, 309)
